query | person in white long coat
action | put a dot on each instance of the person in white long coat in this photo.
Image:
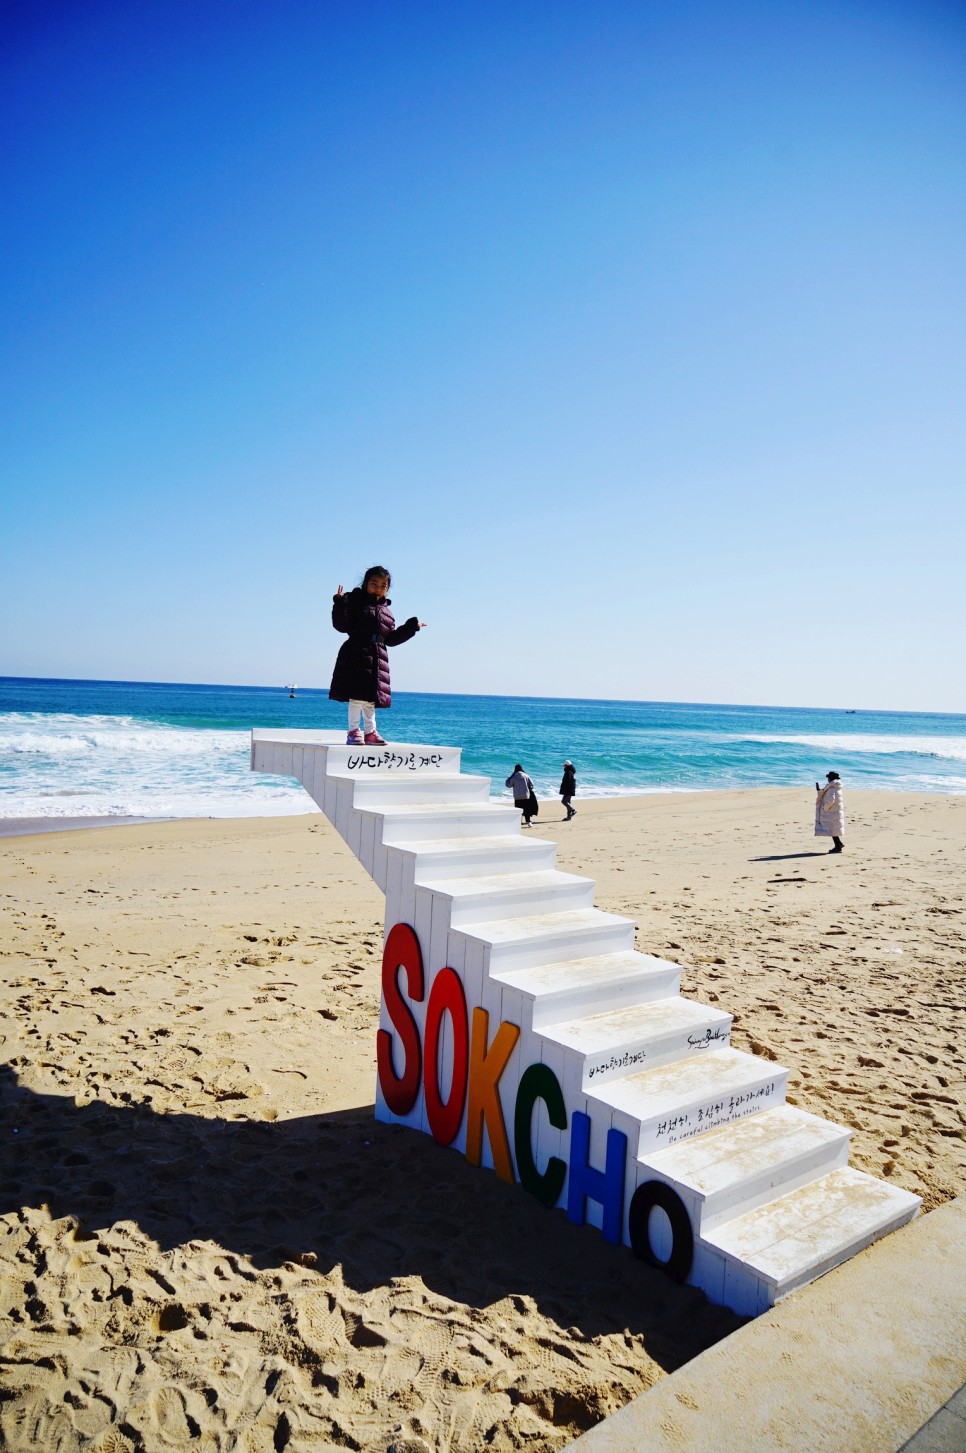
(830, 811)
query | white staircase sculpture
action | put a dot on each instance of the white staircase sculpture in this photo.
(591, 1080)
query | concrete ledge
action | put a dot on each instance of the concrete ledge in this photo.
(856, 1362)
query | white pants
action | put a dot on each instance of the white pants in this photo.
(365, 709)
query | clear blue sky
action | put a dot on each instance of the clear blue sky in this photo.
(631, 336)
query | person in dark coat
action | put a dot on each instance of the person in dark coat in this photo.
(568, 789)
(524, 796)
(361, 674)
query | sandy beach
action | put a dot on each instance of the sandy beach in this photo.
(205, 1238)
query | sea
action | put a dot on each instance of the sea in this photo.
(136, 749)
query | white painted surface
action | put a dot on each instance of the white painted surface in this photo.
(767, 1188)
(636, 1037)
(484, 897)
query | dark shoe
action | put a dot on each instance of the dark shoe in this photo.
(355, 738)
(833, 850)
(373, 739)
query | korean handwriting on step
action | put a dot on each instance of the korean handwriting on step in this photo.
(394, 760)
(625, 1061)
(674, 1126)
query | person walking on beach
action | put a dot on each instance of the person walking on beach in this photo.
(568, 789)
(361, 674)
(524, 796)
(830, 811)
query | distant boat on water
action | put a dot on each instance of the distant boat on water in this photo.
(291, 688)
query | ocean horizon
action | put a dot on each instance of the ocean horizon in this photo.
(80, 749)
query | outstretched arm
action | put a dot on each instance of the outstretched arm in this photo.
(405, 632)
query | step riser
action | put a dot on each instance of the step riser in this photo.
(646, 1054)
(474, 822)
(498, 859)
(375, 793)
(735, 1284)
(488, 907)
(422, 760)
(554, 1008)
(773, 1292)
(345, 799)
(694, 1114)
(788, 1174)
(408, 867)
(378, 836)
(472, 957)
(311, 765)
(798, 1173)
(578, 943)
(323, 770)
(345, 796)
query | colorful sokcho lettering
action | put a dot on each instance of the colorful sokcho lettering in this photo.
(479, 1060)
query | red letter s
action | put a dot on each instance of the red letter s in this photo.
(401, 952)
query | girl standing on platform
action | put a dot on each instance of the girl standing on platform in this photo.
(361, 675)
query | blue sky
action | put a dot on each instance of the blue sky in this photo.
(631, 336)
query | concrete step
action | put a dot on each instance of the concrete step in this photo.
(418, 757)
(513, 894)
(778, 1247)
(635, 1037)
(371, 831)
(551, 993)
(410, 863)
(660, 1107)
(411, 822)
(548, 938)
(378, 789)
(307, 755)
(739, 1167)
(346, 795)
(469, 857)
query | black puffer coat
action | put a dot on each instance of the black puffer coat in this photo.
(362, 665)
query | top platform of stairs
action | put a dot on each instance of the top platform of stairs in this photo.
(308, 737)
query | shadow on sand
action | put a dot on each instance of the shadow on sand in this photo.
(788, 857)
(381, 1200)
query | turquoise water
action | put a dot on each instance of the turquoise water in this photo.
(137, 749)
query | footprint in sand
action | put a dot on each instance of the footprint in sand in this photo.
(167, 1416)
(113, 1441)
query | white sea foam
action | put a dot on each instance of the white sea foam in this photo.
(282, 802)
(54, 736)
(879, 744)
(925, 783)
(70, 766)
